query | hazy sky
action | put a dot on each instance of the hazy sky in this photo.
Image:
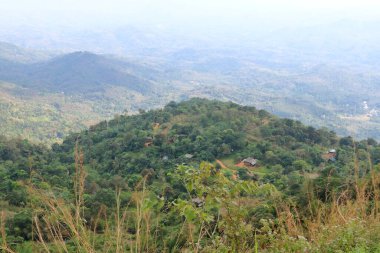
(171, 11)
(218, 5)
(186, 15)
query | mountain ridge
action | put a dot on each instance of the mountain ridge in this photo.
(320, 95)
(75, 72)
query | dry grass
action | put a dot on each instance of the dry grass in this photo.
(60, 226)
(4, 246)
(358, 204)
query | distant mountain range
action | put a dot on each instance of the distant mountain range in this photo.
(14, 53)
(77, 72)
(345, 42)
(44, 96)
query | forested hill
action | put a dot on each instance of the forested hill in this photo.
(151, 145)
(188, 132)
(203, 130)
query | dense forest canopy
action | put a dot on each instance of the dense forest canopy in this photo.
(189, 157)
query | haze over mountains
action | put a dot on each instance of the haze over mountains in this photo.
(76, 72)
(314, 74)
(317, 62)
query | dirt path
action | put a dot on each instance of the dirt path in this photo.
(221, 164)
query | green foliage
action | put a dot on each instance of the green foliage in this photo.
(225, 208)
(219, 207)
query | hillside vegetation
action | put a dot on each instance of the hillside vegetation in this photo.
(171, 180)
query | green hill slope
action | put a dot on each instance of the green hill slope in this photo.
(163, 148)
(206, 130)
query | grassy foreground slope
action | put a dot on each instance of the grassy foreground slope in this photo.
(151, 183)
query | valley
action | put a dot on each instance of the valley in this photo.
(78, 89)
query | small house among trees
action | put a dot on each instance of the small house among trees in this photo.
(330, 155)
(251, 162)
